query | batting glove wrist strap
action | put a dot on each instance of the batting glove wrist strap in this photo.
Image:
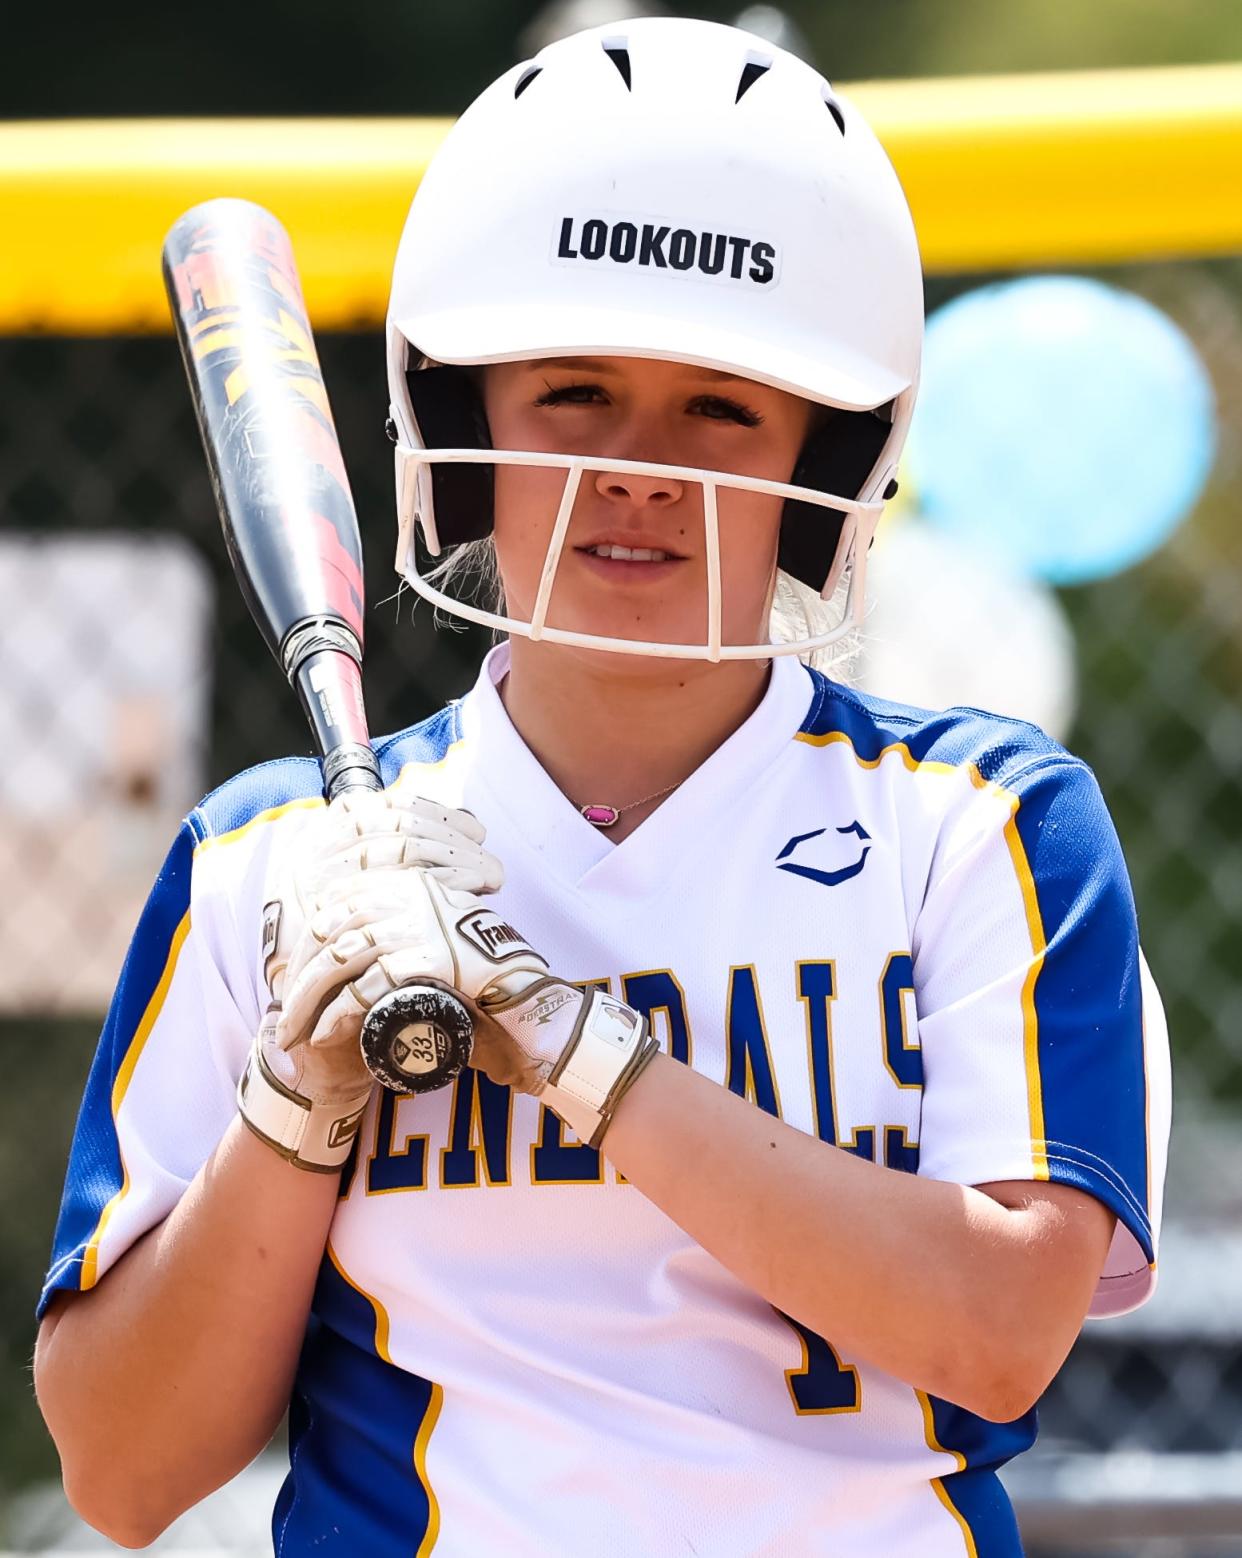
(310, 1135)
(600, 1046)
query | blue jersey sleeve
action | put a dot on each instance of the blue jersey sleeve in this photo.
(1044, 1046)
(160, 1089)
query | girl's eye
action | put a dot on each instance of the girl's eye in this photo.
(719, 409)
(571, 395)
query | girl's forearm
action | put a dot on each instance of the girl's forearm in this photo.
(168, 1377)
(937, 1284)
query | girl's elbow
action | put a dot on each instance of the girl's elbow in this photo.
(121, 1514)
(1005, 1401)
(1004, 1391)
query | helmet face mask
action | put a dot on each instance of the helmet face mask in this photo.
(580, 208)
(857, 529)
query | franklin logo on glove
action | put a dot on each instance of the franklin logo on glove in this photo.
(493, 937)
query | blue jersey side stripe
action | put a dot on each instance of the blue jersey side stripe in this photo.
(357, 1424)
(96, 1179)
(973, 1494)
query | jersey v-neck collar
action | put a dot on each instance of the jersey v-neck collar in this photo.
(580, 854)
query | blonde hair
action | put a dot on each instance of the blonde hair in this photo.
(471, 572)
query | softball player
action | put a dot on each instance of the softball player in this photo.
(819, 1088)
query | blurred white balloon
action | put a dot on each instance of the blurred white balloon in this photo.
(559, 18)
(770, 22)
(948, 627)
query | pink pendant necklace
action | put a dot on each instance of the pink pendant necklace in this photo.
(606, 816)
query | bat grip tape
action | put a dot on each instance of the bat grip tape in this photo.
(350, 766)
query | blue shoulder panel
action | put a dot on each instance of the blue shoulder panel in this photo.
(247, 795)
(426, 742)
(996, 745)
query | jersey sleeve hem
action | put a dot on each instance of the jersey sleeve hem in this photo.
(1130, 1277)
(1076, 1166)
(64, 1277)
(988, 1162)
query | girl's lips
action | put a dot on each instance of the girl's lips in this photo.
(625, 570)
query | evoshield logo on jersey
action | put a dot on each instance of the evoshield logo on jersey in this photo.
(492, 936)
(829, 878)
(662, 246)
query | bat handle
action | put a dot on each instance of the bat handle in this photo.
(417, 1038)
(350, 766)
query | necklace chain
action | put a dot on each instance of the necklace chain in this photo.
(600, 816)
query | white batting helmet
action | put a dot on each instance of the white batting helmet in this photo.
(671, 189)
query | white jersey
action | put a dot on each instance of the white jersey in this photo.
(910, 935)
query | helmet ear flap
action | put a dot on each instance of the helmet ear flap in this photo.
(838, 458)
(449, 412)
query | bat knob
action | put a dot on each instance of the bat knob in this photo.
(417, 1038)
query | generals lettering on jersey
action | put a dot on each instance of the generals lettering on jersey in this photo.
(665, 246)
(886, 1044)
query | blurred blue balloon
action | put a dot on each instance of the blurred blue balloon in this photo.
(1064, 426)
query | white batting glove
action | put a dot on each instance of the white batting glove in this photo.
(346, 890)
(533, 1031)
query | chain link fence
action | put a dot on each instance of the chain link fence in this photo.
(134, 680)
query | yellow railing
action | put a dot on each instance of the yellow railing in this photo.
(1002, 171)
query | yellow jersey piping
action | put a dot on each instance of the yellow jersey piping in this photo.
(306, 803)
(120, 1086)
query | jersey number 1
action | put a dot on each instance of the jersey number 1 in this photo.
(822, 1383)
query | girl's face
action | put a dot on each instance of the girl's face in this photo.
(636, 409)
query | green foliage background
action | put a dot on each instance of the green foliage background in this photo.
(432, 56)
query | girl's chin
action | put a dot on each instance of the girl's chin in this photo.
(640, 633)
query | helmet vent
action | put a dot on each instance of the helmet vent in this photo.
(835, 110)
(525, 79)
(756, 65)
(618, 52)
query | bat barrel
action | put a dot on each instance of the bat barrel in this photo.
(276, 465)
(292, 536)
